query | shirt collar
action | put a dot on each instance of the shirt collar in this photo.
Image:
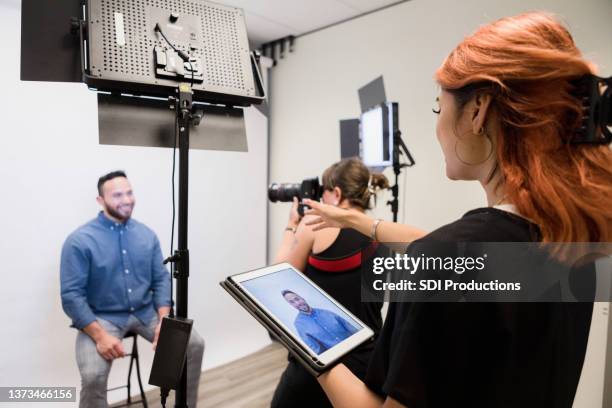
(110, 224)
(311, 314)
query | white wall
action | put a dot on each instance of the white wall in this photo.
(50, 160)
(316, 86)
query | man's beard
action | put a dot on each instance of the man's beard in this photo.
(307, 309)
(116, 214)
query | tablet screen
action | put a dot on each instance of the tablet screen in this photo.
(306, 312)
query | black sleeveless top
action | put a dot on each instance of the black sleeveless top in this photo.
(502, 355)
(337, 271)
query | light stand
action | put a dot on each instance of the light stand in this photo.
(180, 258)
(181, 267)
(399, 147)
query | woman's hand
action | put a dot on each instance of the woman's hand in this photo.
(294, 216)
(297, 241)
(327, 216)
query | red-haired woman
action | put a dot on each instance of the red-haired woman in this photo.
(506, 115)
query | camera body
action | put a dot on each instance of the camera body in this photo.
(284, 192)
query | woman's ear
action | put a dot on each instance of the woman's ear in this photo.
(482, 103)
(337, 194)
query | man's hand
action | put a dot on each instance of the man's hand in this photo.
(156, 336)
(110, 347)
(161, 313)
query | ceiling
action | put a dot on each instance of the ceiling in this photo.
(269, 20)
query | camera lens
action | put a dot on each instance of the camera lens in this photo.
(284, 192)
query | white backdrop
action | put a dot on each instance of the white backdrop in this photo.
(316, 86)
(50, 160)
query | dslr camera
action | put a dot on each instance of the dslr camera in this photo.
(284, 192)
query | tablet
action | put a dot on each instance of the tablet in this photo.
(295, 309)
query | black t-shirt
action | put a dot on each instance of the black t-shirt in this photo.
(481, 354)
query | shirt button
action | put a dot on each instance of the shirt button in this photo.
(112, 228)
(131, 309)
(127, 271)
(124, 252)
(129, 290)
(121, 232)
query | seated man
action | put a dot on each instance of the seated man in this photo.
(319, 328)
(113, 281)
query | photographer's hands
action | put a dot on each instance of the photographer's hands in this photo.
(297, 240)
(294, 215)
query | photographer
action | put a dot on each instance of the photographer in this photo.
(322, 256)
(507, 111)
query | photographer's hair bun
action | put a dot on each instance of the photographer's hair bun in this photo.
(355, 181)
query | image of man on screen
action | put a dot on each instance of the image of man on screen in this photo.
(320, 329)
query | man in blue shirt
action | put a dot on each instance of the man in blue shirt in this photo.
(113, 281)
(319, 328)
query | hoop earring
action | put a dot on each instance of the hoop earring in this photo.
(482, 161)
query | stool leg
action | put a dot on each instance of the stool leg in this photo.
(129, 381)
(142, 394)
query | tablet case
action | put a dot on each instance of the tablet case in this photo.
(311, 363)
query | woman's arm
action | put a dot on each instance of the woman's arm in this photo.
(345, 390)
(295, 246)
(386, 231)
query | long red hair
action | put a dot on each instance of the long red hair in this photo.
(528, 64)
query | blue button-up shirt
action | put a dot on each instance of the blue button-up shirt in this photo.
(322, 329)
(112, 270)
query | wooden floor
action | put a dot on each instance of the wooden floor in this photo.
(245, 383)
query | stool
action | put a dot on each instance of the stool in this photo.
(133, 357)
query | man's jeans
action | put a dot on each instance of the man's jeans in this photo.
(94, 368)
